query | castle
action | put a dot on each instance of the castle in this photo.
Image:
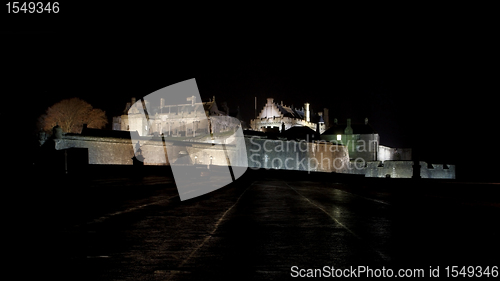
(361, 140)
(185, 130)
(193, 119)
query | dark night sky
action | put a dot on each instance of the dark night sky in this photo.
(434, 93)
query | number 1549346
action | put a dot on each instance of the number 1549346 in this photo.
(471, 271)
(32, 7)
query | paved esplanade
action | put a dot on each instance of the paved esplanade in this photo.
(258, 228)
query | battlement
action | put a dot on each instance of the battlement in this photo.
(402, 169)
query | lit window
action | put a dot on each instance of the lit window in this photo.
(339, 137)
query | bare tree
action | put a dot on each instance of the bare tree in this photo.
(71, 114)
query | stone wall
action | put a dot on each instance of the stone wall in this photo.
(401, 169)
(364, 146)
(437, 171)
(102, 150)
(120, 151)
(390, 153)
(292, 155)
(259, 153)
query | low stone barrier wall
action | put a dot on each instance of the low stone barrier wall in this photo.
(402, 169)
(260, 153)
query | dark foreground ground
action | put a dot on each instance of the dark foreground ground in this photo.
(111, 226)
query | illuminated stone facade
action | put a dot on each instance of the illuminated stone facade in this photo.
(360, 139)
(363, 142)
(261, 153)
(275, 115)
(188, 120)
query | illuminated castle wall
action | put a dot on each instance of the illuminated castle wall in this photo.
(184, 130)
(262, 153)
(192, 119)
